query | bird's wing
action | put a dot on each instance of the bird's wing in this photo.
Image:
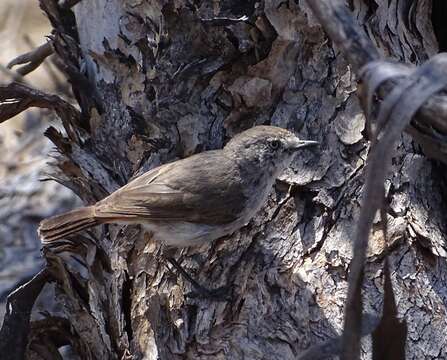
(201, 189)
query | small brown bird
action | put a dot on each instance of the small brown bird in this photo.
(194, 200)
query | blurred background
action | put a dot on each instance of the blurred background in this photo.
(24, 151)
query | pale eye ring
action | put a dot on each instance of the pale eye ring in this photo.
(275, 144)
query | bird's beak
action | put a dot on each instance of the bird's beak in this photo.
(299, 144)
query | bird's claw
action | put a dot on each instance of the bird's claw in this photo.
(220, 294)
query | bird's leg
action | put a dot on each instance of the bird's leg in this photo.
(201, 291)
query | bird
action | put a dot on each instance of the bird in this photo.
(195, 200)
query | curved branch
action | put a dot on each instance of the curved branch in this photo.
(359, 50)
(16, 97)
(31, 60)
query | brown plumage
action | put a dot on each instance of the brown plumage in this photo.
(60, 226)
(193, 200)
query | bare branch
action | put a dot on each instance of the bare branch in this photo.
(405, 96)
(32, 59)
(341, 27)
(358, 49)
(16, 97)
(395, 114)
(15, 76)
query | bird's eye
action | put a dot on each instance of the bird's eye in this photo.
(275, 144)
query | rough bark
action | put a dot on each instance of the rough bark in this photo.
(160, 80)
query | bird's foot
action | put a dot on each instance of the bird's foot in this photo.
(220, 294)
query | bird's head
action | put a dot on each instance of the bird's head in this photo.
(270, 147)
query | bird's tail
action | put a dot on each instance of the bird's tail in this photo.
(60, 226)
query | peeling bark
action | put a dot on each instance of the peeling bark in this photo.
(160, 80)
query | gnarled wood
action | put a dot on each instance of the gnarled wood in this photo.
(160, 80)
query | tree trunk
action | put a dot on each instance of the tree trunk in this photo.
(160, 80)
